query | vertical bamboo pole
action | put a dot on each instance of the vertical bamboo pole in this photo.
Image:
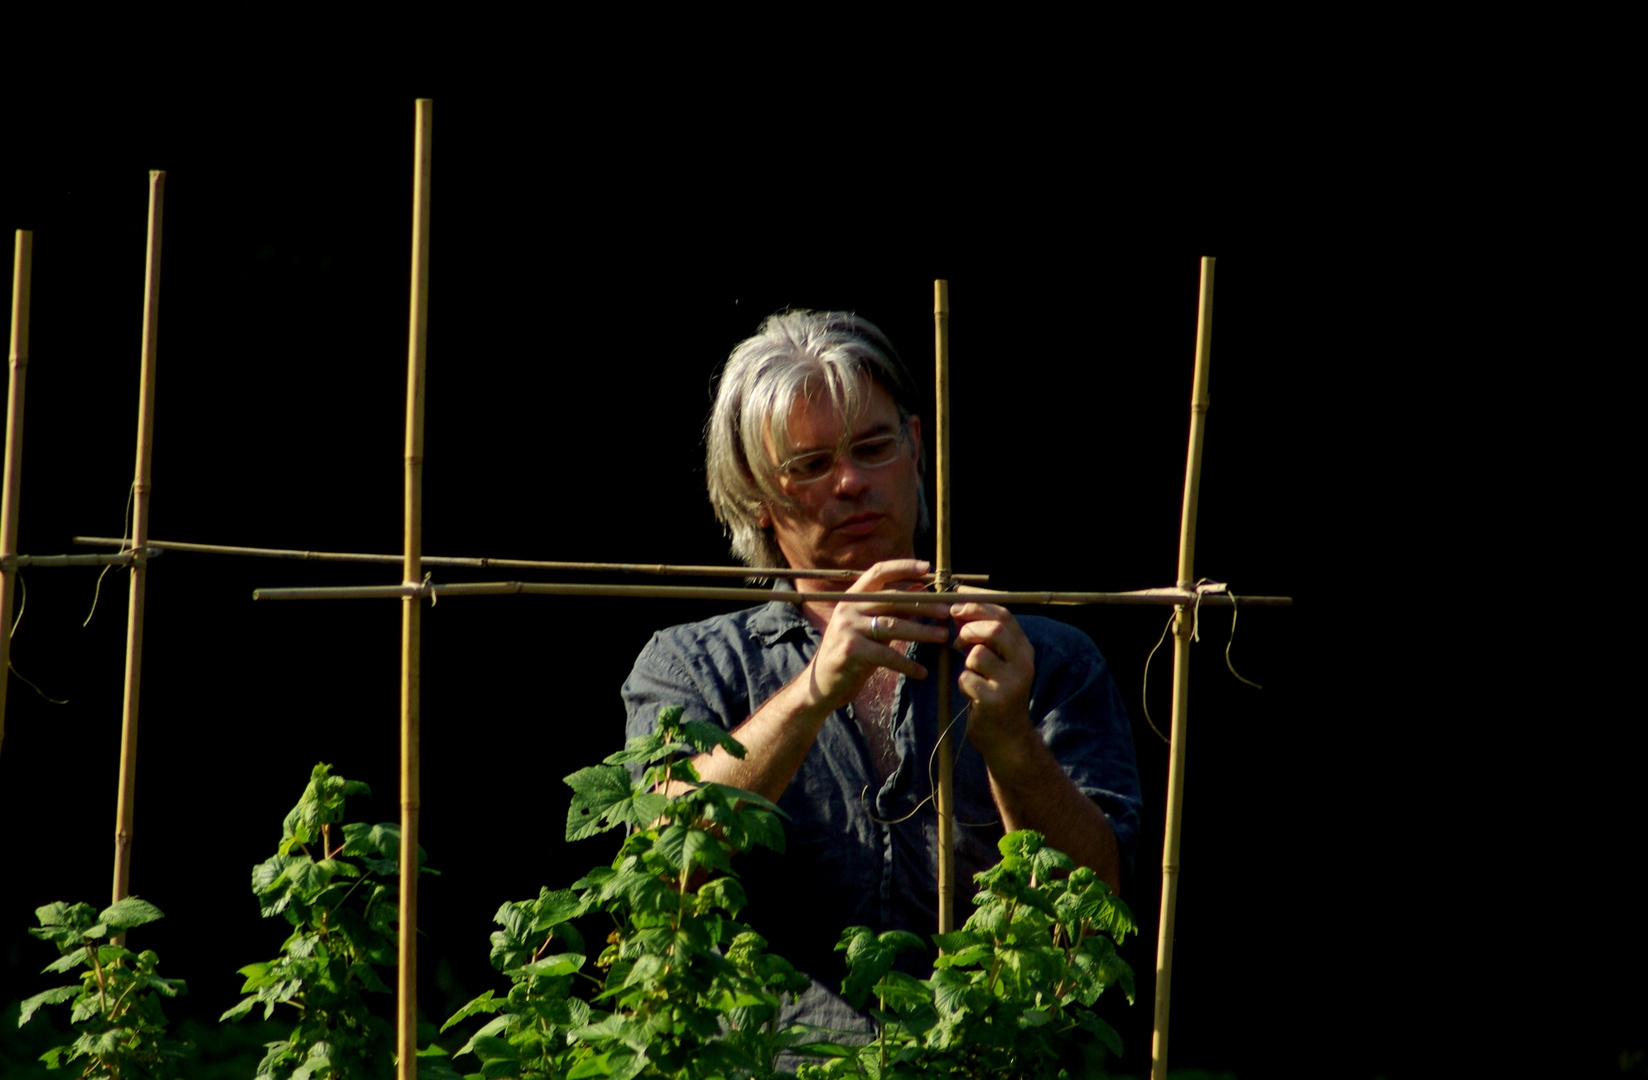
(406, 1033)
(21, 278)
(1183, 627)
(946, 755)
(126, 808)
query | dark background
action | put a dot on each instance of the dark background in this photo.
(1397, 859)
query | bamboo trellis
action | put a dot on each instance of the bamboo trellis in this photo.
(136, 553)
(1185, 596)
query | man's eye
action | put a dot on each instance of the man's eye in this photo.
(876, 451)
(811, 465)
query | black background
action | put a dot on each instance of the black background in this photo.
(1391, 864)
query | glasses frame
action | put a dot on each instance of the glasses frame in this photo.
(786, 466)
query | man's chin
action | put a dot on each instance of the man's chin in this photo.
(863, 554)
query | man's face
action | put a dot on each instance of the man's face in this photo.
(854, 515)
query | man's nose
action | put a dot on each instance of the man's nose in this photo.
(850, 478)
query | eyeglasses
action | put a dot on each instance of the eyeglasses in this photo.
(871, 453)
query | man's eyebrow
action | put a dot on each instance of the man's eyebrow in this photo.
(880, 427)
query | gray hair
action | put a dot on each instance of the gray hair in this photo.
(794, 355)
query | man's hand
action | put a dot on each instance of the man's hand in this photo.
(856, 640)
(1000, 667)
(1030, 788)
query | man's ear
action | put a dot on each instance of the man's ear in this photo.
(763, 520)
(914, 423)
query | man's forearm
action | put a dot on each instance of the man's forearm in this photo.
(1032, 791)
(776, 740)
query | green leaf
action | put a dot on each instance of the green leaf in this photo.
(102, 1042)
(129, 912)
(900, 941)
(246, 1005)
(561, 964)
(74, 916)
(705, 737)
(108, 954)
(739, 794)
(603, 798)
(493, 1026)
(1093, 1025)
(50, 997)
(761, 827)
(368, 977)
(646, 748)
(684, 847)
(482, 1004)
(599, 1065)
(724, 893)
(557, 907)
(68, 960)
(168, 987)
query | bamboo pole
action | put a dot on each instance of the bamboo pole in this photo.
(406, 1034)
(432, 591)
(21, 280)
(124, 558)
(484, 563)
(1183, 628)
(944, 798)
(126, 807)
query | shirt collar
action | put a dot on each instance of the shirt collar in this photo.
(780, 618)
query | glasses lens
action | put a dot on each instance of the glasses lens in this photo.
(866, 454)
(873, 452)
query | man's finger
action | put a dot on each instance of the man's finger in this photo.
(883, 573)
(892, 658)
(986, 662)
(887, 627)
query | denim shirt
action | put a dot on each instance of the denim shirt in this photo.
(860, 851)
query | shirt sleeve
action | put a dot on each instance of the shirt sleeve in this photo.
(1080, 714)
(665, 675)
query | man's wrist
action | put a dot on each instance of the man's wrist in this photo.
(1016, 757)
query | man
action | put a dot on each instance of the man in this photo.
(814, 461)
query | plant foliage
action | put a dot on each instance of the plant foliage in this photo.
(336, 883)
(115, 1007)
(1013, 989)
(681, 988)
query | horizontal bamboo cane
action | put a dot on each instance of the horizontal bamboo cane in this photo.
(657, 569)
(1148, 597)
(124, 558)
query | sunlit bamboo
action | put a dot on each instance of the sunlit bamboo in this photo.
(21, 280)
(1183, 628)
(123, 558)
(435, 591)
(655, 569)
(944, 796)
(125, 811)
(406, 1034)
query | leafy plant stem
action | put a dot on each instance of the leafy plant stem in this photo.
(97, 966)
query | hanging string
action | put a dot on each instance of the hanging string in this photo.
(932, 786)
(1145, 697)
(22, 605)
(1203, 587)
(125, 529)
(22, 602)
(1231, 641)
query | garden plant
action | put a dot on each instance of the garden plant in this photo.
(116, 1003)
(681, 989)
(336, 883)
